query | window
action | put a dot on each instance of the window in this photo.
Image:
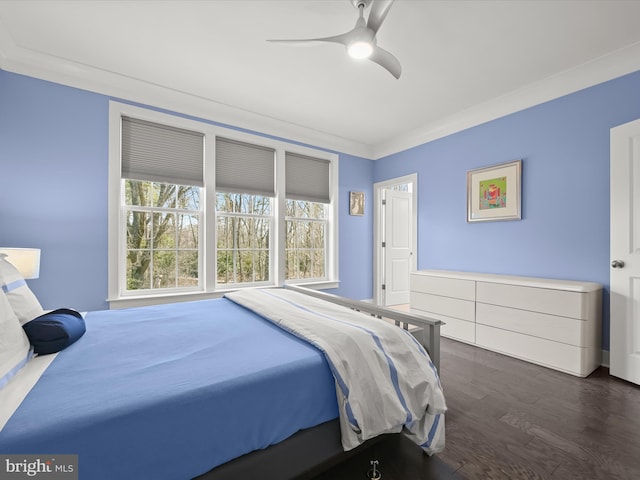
(162, 231)
(242, 238)
(306, 240)
(162, 174)
(243, 211)
(308, 196)
(195, 208)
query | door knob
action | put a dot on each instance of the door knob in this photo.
(617, 264)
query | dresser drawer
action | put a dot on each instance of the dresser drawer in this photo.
(567, 358)
(451, 307)
(452, 327)
(458, 329)
(446, 287)
(552, 327)
(543, 300)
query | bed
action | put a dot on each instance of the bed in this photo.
(211, 389)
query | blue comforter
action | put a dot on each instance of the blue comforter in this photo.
(171, 391)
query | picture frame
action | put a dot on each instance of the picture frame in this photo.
(356, 203)
(494, 192)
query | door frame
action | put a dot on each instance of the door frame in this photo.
(378, 234)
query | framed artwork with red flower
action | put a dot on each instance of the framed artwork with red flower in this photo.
(493, 192)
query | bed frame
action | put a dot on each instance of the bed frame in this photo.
(312, 451)
(425, 329)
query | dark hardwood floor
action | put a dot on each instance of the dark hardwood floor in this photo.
(509, 419)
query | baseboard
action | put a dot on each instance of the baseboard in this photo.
(605, 358)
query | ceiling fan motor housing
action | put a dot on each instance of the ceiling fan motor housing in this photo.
(359, 3)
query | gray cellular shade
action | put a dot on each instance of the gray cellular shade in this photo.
(161, 153)
(244, 168)
(307, 178)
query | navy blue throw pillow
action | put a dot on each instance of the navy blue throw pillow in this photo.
(54, 331)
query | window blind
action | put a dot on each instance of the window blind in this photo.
(161, 153)
(307, 178)
(244, 168)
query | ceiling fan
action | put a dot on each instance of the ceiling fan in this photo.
(361, 40)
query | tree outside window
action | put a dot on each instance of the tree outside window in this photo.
(306, 224)
(243, 226)
(162, 235)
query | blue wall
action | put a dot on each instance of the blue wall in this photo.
(564, 231)
(356, 245)
(53, 193)
(53, 166)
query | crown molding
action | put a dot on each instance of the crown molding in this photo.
(120, 87)
(599, 70)
(59, 70)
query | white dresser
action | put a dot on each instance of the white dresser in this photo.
(555, 323)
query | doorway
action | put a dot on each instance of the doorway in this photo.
(395, 239)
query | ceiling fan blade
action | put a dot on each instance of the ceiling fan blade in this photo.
(342, 39)
(386, 60)
(379, 10)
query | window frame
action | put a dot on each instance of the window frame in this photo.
(119, 297)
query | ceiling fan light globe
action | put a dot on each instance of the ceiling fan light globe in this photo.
(360, 49)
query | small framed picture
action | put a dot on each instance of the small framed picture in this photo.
(356, 203)
(493, 193)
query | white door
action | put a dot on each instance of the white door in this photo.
(625, 252)
(397, 246)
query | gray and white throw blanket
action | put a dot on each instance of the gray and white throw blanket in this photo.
(385, 380)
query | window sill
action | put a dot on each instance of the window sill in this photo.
(321, 285)
(147, 300)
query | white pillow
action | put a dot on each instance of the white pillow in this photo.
(24, 303)
(15, 350)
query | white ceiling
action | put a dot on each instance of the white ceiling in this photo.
(464, 62)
